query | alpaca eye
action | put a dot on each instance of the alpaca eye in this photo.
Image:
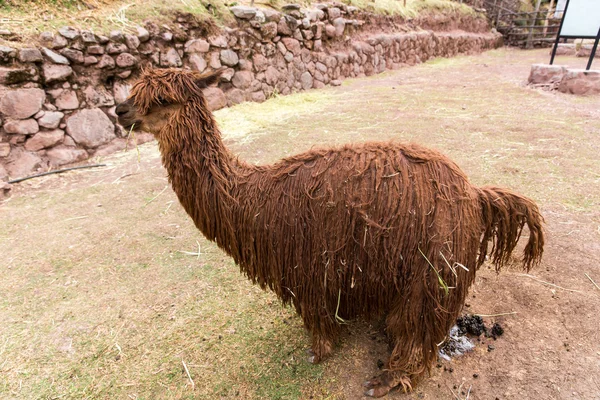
(161, 101)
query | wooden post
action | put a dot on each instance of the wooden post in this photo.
(532, 25)
(547, 21)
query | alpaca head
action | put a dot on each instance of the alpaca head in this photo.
(159, 95)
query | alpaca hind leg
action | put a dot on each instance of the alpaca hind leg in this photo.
(414, 329)
(402, 370)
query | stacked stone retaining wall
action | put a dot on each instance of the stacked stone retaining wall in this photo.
(57, 97)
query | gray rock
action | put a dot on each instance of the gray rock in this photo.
(126, 60)
(61, 155)
(268, 30)
(215, 97)
(88, 37)
(235, 96)
(58, 42)
(227, 74)
(260, 62)
(5, 32)
(106, 61)
(306, 80)
(95, 49)
(258, 97)
(102, 39)
(55, 57)
(89, 60)
(7, 53)
(340, 25)
(67, 100)
(116, 36)
(30, 55)
(170, 59)
(21, 163)
(283, 27)
(143, 34)
(115, 145)
(196, 46)
(46, 37)
(215, 60)
(4, 149)
(90, 128)
(98, 97)
(271, 15)
(116, 48)
(330, 31)
(132, 42)
(242, 79)
(74, 55)
(289, 57)
(69, 32)
(10, 76)
(22, 103)
(333, 13)
(56, 73)
(259, 18)
(229, 57)
(271, 75)
(197, 62)
(51, 119)
(243, 12)
(45, 139)
(218, 41)
(292, 45)
(21, 126)
(167, 36)
(315, 15)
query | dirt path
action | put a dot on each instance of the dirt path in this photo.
(108, 290)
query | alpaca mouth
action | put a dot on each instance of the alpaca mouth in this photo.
(129, 125)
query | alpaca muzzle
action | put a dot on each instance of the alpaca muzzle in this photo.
(127, 116)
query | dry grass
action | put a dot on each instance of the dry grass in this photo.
(109, 291)
(32, 17)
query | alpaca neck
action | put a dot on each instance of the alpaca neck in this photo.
(202, 172)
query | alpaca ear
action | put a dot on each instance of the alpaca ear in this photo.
(210, 78)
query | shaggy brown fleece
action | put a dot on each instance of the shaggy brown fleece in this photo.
(365, 230)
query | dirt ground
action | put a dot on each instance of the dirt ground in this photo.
(108, 291)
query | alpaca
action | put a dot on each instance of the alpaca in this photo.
(363, 231)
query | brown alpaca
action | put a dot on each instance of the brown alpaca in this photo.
(365, 230)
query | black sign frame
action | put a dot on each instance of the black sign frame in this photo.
(559, 36)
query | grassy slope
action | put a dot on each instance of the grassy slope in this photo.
(30, 17)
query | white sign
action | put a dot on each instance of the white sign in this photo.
(560, 7)
(582, 18)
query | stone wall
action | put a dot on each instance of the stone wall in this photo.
(57, 97)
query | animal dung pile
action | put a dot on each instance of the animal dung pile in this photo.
(458, 341)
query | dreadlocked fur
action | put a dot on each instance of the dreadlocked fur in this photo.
(365, 230)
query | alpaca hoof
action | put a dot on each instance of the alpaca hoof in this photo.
(311, 357)
(377, 392)
(381, 385)
(377, 388)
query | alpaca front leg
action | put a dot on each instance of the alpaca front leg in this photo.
(321, 348)
(324, 333)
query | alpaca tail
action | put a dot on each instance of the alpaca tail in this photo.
(505, 213)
